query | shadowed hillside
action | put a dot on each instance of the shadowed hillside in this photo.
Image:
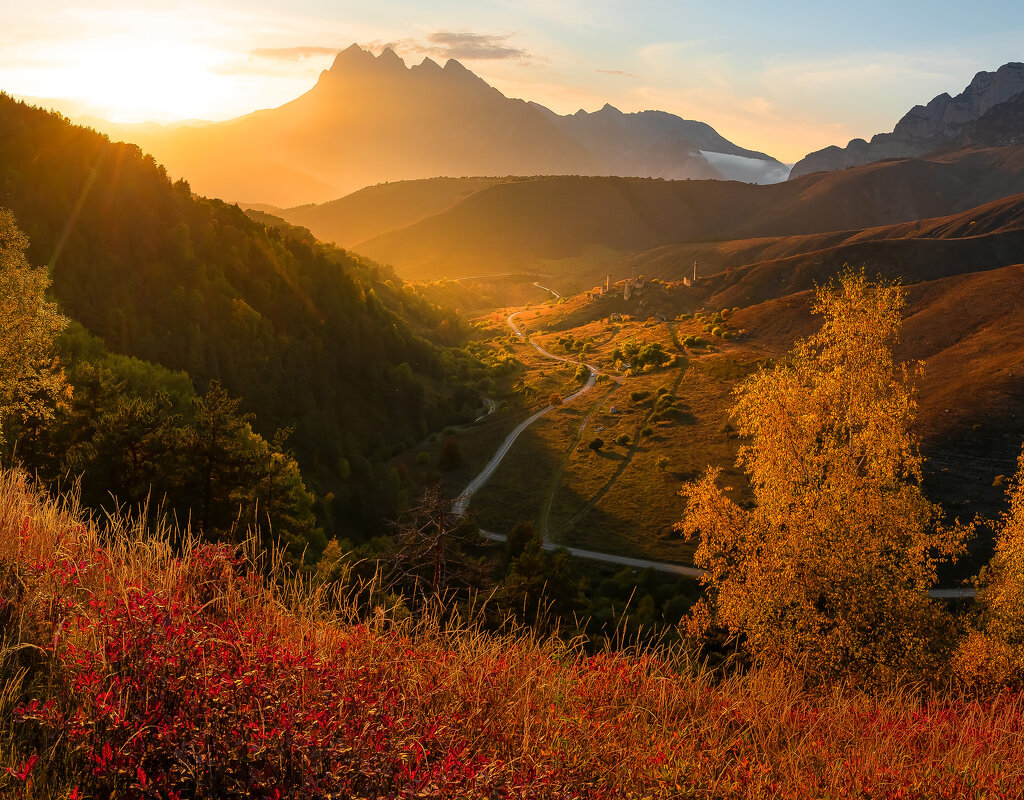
(516, 225)
(749, 271)
(306, 335)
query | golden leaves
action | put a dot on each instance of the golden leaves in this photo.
(29, 324)
(832, 566)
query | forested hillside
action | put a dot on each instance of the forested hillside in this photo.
(307, 336)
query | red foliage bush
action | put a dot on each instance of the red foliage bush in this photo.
(160, 698)
(154, 677)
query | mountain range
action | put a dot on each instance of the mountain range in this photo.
(939, 124)
(371, 119)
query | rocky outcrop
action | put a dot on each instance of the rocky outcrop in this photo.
(1000, 127)
(924, 128)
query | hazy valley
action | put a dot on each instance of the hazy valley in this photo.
(434, 429)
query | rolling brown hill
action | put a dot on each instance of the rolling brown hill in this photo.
(376, 209)
(744, 272)
(968, 330)
(516, 225)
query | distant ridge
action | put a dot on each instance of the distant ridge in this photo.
(512, 225)
(371, 119)
(924, 129)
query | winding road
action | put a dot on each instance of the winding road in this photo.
(462, 501)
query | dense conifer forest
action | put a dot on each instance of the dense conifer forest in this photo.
(308, 338)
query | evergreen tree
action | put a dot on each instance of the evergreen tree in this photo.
(540, 587)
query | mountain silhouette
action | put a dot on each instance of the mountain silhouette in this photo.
(371, 119)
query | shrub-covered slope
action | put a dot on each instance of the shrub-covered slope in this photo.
(131, 672)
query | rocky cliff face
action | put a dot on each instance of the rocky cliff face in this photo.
(924, 128)
(999, 127)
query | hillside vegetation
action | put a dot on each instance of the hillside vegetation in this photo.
(135, 671)
(307, 336)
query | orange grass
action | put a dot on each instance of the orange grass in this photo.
(507, 715)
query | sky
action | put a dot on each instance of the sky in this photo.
(784, 77)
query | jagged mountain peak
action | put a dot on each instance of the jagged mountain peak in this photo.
(355, 59)
(373, 118)
(456, 67)
(350, 56)
(924, 128)
(429, 66)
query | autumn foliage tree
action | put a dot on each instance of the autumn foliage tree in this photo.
(831, 567)
(992, 654)
(30, 376)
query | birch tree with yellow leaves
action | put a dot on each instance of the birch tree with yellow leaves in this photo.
(830, 569)
(992, 653)
(30, 376)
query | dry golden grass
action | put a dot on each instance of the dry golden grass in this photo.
(519, 716)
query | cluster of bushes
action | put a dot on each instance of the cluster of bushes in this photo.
(714, 324)
(651, 354)
(134, 672)
(570, 344)
(667, 407)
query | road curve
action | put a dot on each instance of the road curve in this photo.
(462, 501)
(688, 572)
(546, 289)
(608, 558)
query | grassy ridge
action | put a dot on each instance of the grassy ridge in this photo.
(130, 669)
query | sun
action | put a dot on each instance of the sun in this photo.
(132, 79)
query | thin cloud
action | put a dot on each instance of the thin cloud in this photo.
(450, 44)
(617, 72)
(292, 53)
